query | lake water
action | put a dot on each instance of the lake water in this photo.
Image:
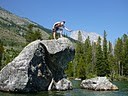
(123, 91)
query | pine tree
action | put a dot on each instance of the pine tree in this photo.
(80, 36)
(78, 55)
(124, 38)
(99, 59)
(29, 33)
(70, 71)
(118, 51)
(88, 57)
(111, 61)
(1, 53)
(81, 67)
(36, 35)
(125, 55)
(105, 55)
(32, 35)
(94, 57)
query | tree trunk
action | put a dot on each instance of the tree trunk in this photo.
(122, 70)
(119, 67)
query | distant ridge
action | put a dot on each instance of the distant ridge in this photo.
(92, 35)
(13, 28)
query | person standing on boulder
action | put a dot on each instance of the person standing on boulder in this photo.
(58, 26)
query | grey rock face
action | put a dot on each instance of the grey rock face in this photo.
(61, 85)
(98, 83)
(33, 69)
(64, 84)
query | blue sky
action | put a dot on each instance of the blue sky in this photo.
(88, 15)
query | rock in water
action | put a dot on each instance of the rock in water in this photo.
(98, 83)
(61, 85)
(33, 69)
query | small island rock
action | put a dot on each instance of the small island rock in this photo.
(98, 84)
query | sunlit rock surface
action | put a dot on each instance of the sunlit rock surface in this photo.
(98, 84)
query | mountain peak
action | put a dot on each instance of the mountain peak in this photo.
(92, 35)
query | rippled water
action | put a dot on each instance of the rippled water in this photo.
(123, 91)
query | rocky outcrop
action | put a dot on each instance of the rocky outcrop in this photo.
(37, 64)
(98, 83)
(61, 85)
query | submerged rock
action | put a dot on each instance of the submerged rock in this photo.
(98, 83)
(33, 69)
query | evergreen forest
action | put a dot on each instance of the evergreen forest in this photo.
(101, 58)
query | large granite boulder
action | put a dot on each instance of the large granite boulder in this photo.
(98, 83)
(37, 64)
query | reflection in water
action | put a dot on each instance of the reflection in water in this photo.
(123, 91)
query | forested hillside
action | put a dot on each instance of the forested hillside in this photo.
(13, 29)
(15, 33)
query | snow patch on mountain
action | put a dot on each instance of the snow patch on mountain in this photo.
(92, 35)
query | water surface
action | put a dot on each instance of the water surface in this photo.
(123, 91)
